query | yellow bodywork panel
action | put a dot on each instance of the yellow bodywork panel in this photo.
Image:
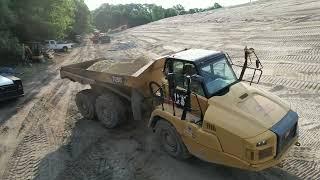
(188, 130)
(250, 147)
(232, 126)
(255, 113)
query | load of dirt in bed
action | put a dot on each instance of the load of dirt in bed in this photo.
(101, 66)
(123, 67)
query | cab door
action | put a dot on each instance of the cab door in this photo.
(197, 140)
(180, 70)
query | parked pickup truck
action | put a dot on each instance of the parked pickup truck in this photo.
(10, 87)
(52, 44)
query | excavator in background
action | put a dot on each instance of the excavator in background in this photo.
(95, 38)
(35, 51)
(100, 38)
(196, 105)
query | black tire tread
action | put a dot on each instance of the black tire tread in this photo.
(182, 151)
(115, 107)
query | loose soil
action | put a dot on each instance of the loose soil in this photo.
(125, 67)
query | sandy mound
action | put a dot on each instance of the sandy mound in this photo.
(124, 67)
(101, 66)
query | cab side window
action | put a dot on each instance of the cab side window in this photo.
(197, 88)
(178, 73)
(183, 69)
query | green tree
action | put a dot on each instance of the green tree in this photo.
(40, 19)
(157, 13)
(36, 20)
(9, 44)
(112, 16)
(180, 9)
(170, 12)
(139, 15)
(217, 6)
(61, 17)
(192, 11)
(82, 18)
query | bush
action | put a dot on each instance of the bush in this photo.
(10, 49)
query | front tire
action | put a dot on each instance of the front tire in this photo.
(110, 110)
(171, 141)
(65, 49)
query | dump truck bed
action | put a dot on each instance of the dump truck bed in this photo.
(115, 81)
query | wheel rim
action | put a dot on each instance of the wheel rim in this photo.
(109, 110)
(107, 115)
(168, 141)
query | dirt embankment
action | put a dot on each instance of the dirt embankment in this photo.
(48, 139)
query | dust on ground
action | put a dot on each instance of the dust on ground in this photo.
(47, 138)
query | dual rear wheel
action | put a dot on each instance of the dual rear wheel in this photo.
(108, 108)
(111, 111)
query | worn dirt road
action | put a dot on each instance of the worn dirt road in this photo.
(46, 137)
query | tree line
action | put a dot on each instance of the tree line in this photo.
(36, 20)
(109, 16)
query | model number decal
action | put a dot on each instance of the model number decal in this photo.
(180, 99)
(117, 80)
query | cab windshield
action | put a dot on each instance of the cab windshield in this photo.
(217, 74)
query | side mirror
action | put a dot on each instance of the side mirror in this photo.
(257, 63)
(171, 81)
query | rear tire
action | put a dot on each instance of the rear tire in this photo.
(171, 141)
(85, 101)
(110, 110)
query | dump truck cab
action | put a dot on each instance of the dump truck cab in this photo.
(211, 71)
(217, 116)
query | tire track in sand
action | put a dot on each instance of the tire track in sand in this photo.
(35, 143)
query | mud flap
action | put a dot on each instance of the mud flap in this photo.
(137, 104)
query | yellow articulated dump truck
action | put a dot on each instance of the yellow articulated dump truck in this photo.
(196, 105)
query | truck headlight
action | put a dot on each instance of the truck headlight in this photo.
(262, 143)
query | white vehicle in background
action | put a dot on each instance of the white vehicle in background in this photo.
(52, 44)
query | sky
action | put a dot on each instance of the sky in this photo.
(93, 4)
